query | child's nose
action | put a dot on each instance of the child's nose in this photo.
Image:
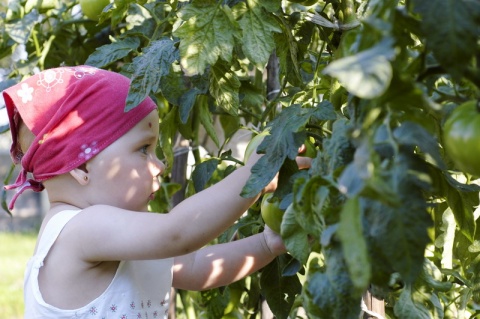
(158, 166)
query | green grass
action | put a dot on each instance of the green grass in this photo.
(15, 250)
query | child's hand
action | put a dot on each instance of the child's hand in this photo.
(302, 163)
(274, 242)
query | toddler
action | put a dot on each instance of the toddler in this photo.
(100, 253)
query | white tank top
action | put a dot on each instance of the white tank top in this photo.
(140, 289)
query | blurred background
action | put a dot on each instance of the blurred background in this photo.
(17, 234)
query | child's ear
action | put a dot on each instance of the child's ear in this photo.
(80, 174)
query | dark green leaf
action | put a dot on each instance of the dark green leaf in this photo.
(207, 120)
(21, 29)
(407, 308)
(354, 245)
(325, 111)
(279, 291)
(284, 140)
(330, 293)
(215, 303)
(294, 236)
(461, 205)
(451, 30)
(337, 150)
(203, 172)
(286, 51)
(258, 27)
(224, 86)
(412, 134)
(311, 199)
(186, 102)
(109, 53)
(168, 127)
(149, 69)
(207, 34)
(398, 235)
(366, 74)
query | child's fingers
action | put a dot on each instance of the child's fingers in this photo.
(303, 162)
(302, 149)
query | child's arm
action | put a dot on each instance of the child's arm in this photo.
(222, 264)
(106, 233)
(129, 235)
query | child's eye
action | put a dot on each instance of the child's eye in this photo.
(144, 149)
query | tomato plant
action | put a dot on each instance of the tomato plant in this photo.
(253, 145)
(382, 209)
(462, 137)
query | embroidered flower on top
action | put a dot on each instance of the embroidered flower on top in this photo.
(50, 78)
(93, 311)
(25, 93)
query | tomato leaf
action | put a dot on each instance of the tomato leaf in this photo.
(366, 74)
(280, 291)
(207, 120)
(312, 197)
(461, 205)
(207, 33)
(412, 134)
(329, 291)
(224, 86)
(203, 172)
(149, 68)
(398, 234)
(215, 302)
(258, 27)
(455, 38)
(284, 140)
(354, 246)
(167, 132)
(294, 236)
(21, 29)
(407, 308)
(110, 53)
(364, 177)
(286, 51)
(337, 149)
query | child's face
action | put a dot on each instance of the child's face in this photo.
(125, 174)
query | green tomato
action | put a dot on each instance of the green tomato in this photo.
(93, 8)
(271, 213)
(253, 144)
(310, 150)
(461, 134)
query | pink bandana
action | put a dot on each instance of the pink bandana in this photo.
(74, 112)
